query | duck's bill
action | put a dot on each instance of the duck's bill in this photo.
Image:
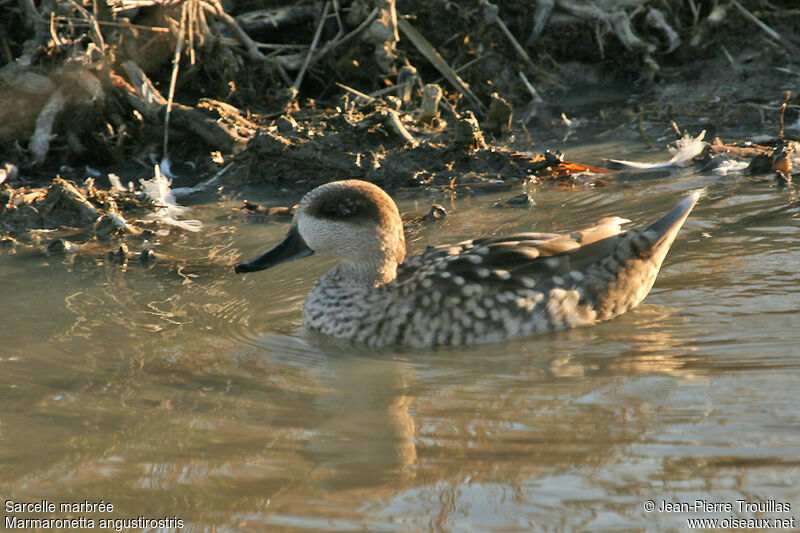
(291, 247)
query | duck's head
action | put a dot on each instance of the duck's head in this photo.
(353, 220)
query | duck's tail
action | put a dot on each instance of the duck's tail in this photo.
(667, 227)
(632, 269)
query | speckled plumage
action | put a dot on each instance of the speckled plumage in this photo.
(477, 291)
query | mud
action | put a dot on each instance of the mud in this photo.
(420, 96)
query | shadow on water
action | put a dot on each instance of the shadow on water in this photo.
(183, 390)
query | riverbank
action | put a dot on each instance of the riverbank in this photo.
(468, 96)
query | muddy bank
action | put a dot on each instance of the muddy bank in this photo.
(116, 224)
(415, 96)
(109, 83)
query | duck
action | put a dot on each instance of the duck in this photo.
(472, 292)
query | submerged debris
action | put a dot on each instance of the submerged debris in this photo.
(521, 200)
(64, 205)
(112, 224)
(779, 157)
(119, 255)
(415, 224)
(436, 213)
(60, 246)
(90, 219)
(267, 212)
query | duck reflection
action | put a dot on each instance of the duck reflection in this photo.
(658, 344)
(365, 436)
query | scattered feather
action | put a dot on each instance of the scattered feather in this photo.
(166, 168)
(167, 210)
(685, 150)
(729, 166)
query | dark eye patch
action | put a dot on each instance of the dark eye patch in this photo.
(345, 204)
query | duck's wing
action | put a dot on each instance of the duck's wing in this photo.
(518, 260)
(438, 258)
(492, 289)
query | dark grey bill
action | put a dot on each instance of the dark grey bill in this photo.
(291, 247)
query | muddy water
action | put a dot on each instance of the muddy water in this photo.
(192, 393)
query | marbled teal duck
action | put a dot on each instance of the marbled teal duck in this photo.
(478, 291)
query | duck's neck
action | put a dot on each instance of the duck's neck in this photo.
(348, 301)
(373, 275)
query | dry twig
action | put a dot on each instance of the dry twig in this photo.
(783, 111)
(98, 36)
(491, 12)
(430, 53)
(755, 20)
(217, 11)
(299, 79)
(361, 96)
(174, 78)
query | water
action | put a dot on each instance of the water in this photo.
(183, 390)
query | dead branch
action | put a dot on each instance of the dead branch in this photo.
(174, 79)
(430, 53)
(491, 15)
(216, 10)
(299, 79)
(540, 18)
(145, 98)
(40, 140)
(275, 19)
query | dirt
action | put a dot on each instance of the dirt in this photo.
(86, 92)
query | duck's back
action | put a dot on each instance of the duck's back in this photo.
(489, 290)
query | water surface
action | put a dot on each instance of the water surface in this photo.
(184, 390)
